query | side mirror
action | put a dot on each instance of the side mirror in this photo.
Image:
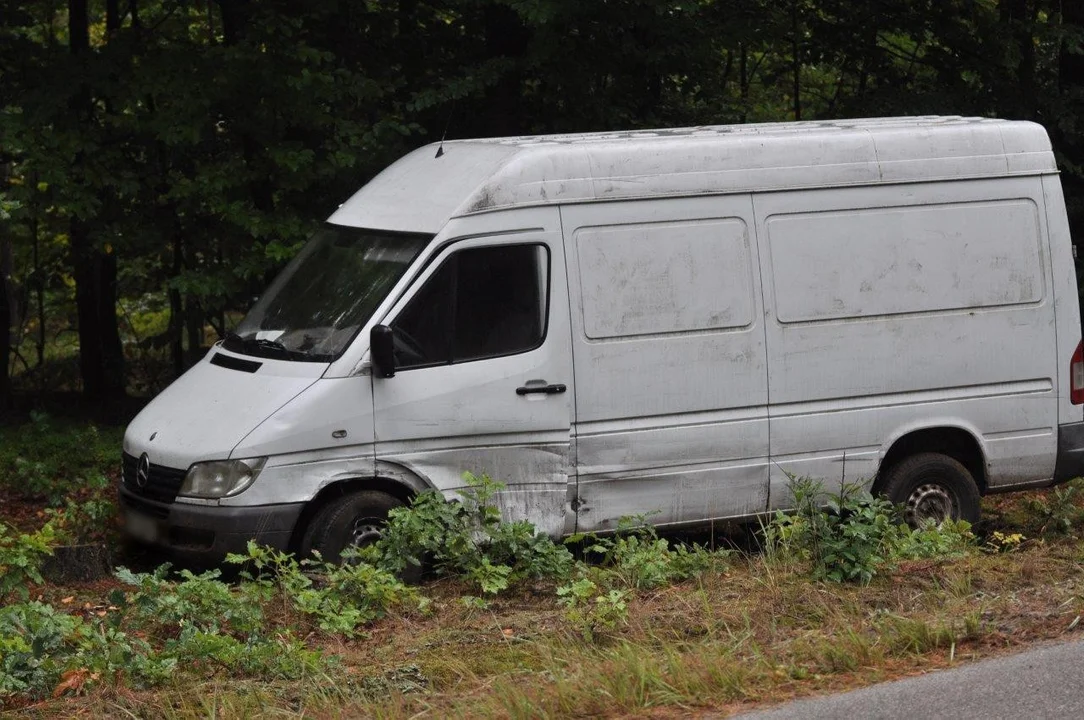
(382, 351)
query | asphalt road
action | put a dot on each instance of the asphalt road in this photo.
(1047, 682)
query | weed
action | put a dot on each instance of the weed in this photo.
(49, 460)
(1058, 512)
(199, 601)
(282, 657)
(595, 611)
(636, 557)
(952, 538)
(910, 635)
(853, 536)
(846, 541)
(108, 651)
(82, 521)
(32, 636)
(340, 597)
(21, 557)
(1000, 542)
(468, 539)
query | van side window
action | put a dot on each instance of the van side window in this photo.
(480, 303)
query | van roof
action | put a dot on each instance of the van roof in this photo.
(424, 189)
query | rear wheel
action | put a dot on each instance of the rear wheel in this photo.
(354, 520)
(932, 486)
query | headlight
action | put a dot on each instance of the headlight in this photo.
(220, 478)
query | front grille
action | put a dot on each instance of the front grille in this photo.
(162, 482)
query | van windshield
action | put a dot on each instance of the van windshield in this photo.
(319, 302)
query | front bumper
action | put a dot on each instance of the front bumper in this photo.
(1070, 462)
(207, 532)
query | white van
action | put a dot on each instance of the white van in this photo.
(666, 322)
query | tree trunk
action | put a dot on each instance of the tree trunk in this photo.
(743, 81)
(796, 59)
(193, 322)
(101, 357)
(112, 15)
(505, 36)
(176, 309)
(233, 19)
(1068, 141)
(6, 307)
(39, 293)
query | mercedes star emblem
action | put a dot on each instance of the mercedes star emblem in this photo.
(143, 470)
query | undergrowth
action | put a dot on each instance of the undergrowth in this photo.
(282, 618)
(52, 461)
(854, 536)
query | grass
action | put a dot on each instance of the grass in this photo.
(727, 642)
(751, 631)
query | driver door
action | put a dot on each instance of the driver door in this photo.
(484, 373)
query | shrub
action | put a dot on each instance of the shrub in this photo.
(199, 620)
(636, 557)
(41, 645)
(48, 460)
(282, 657)
(951, 538)
(32, 639)
(339, 597)
(201, 601)
(468, 539)
(81, 521)
(21, 557)
(853, 535)
(1058, 512)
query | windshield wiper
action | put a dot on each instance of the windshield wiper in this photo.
(263, 347)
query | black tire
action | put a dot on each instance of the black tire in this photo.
(351, 520)
(932, 486)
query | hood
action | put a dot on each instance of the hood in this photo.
(207, 411)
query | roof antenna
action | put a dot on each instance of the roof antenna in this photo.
(440, 149)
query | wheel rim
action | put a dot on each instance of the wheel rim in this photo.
(930, 502)
(365, 531)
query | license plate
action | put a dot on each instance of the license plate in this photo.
(141, 527)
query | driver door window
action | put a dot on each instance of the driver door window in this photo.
(480, 303)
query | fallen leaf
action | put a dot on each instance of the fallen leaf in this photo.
(68, 599)
(71, 680)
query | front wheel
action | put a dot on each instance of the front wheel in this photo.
(932, 486)
(354, 520)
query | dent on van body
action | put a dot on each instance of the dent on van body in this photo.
(535, 476)
(440, 421)
(670, 361)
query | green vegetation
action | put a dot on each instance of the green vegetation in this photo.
(159, 160)
(853, 536)
(51, 461)
(21, 556)
(511, 623)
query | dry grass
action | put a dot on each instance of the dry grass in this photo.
(759, 632)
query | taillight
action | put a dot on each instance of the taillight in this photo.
(1076, 376)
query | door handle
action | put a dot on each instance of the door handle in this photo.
(541, 389)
